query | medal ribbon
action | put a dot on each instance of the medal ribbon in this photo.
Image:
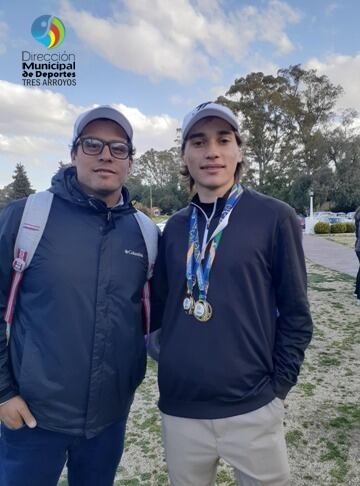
(194, 268)
(192, 258)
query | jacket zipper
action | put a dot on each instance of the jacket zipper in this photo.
(207, 226)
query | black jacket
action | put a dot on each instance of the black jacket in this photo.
(357, 231)
(76, 352)
(251, 349)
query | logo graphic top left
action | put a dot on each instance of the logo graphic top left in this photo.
(48, 30)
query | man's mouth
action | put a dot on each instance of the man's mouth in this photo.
(104, 171)
(212, 167)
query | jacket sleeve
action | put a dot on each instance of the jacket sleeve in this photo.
(9, 224)
(159, 287)
(294, 323)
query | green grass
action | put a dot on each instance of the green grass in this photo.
(328, 360)
(339, 457)
(330, 277)
(224, 478)
(307, 388)
(322, 421)
(294, 437)
(160, 219)
(352, 411)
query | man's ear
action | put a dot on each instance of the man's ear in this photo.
(73, 156)
(183, 159)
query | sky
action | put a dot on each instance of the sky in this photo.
(155, 61)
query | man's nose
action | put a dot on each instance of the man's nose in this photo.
(212, 151)
(105, 154)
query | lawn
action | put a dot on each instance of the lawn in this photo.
(347, 239)
(322, 419)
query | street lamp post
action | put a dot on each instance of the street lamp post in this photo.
(311, 193)
(309, 221)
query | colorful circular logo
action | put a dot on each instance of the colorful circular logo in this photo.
(48, 30)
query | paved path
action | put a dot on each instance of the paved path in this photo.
(330, 254)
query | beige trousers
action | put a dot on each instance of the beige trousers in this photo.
(252, 443)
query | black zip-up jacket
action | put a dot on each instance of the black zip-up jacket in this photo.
(76, 351)
(251, 349)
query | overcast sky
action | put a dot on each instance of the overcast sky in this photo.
(155, 60)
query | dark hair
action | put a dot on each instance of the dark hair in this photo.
(357, 213)
(241, 167)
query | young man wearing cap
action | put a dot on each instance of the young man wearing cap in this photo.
(76, 352)
(230, 298)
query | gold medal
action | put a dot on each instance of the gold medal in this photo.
(202, 310)
(188, 304)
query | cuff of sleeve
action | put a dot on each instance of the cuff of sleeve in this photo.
(281, 387)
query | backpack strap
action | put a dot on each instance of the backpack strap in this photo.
(150, 234)
(30, 231)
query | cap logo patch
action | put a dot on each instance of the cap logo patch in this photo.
(202, 106)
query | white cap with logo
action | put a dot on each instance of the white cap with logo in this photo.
(104, 111)
(205, 110)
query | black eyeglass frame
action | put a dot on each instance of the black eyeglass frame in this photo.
(129, 146)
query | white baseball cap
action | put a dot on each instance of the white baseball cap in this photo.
(104, 111)
(203, 111)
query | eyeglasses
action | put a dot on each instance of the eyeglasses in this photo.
(94, 146)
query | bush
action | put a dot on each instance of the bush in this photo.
(322, 228)
(350, 227)
(338, 228)
(141, 207)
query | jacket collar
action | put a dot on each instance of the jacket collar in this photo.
(65, 185)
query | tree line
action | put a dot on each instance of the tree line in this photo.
(20, 187)
(295, 143)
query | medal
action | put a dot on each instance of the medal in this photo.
(199, 261)
(202, 310)
(188, 304)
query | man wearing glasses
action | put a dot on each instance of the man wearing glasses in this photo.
(76, 352)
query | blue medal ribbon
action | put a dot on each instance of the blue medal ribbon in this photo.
(194, 269)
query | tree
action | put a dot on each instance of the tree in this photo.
(343, 151)
(285, 118)
(138, 192)
(259, 99)
(346, 194)
(5, 195)
(156, 176)
(309, 107)
(158, 168)
(21, 186)
(323, 181)
(299, 193)
(342, 141)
